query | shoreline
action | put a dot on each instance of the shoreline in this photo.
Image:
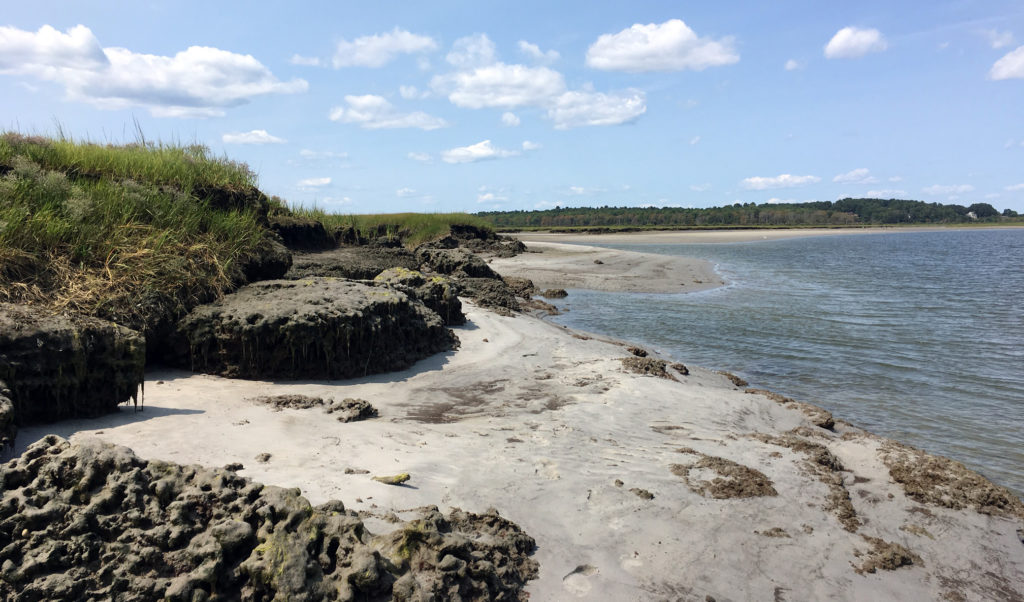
(612, 472)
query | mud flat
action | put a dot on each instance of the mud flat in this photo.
(561, 265)
(635, 487)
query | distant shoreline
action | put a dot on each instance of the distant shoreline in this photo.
(726, 235)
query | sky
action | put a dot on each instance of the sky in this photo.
(390, 106)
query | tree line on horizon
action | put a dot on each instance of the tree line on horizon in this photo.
(844, 212)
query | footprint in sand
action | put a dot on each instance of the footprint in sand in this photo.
(578, 581)
(547, 469)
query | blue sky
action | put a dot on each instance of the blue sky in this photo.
(457, 106)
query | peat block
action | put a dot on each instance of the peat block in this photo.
(436, 292)
(491, 293)
(310, 328)
(357, 263)
(302, 233)
(63, 366)
(459, 263)
(91, 520)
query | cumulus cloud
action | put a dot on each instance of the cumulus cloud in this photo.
(490, 197)
(793, 65)
(939, 189)
(778, 201)
(534, 52)
(998, 39)
(308, 61)
(476, 152)
(857, 176)
(509, 119)
(380, 49)
(372, 112)
(886, 193)
(529, 146)
(412, 93)
(584, 108)
(853, 42)
(313, 183)
(472, 51)
(500, 85)
(780, 181)
(405, 192)
(1015, 187)
(197, 82)
(668, 46)
(252, 137)
(421, 157)
(1011, 66)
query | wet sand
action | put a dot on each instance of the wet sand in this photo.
(635, 487)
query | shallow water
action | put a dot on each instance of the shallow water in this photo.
(918, 336)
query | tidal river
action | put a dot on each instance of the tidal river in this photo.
(918, 336)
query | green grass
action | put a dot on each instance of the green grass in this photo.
(117, 230)
(412, 228)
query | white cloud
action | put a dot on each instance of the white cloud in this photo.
(895, 178)
(529, 146)
(252, 137)
(1015, 187)
(313, 183)
(694, 140)
(778, 201)
(533, 51)
(309, 61)
(405, 192)
(500, 85)
(476, 152)
(1011, 66)
(583, 108)
(374, 112)
(700, 187)
(853, 42)
(197, 82)
(668, 46)
(490, 197)
(312, 154)
(886, 193)
(781, 181)
(412, 92)
(421, 157)
(509, 119)
(793, 65)
(380, 49)
(998, 39)
(336, 201)
(939, 189)
(582, 191)
(471, 52)
(857, 176)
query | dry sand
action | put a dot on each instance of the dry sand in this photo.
(618, 476)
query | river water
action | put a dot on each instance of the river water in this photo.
(917, 336)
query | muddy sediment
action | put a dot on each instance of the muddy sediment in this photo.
(310, 328)
(92, 521)
(60, 366)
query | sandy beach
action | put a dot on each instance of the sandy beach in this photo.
(635, 487)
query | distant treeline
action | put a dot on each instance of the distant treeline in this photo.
(844, 212)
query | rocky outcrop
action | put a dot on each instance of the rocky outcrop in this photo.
(357, 263)
(479, 240)
(93, 521)
(302, 233)
(520, 287)
(436, 292)
(269, 261)
(458, 263)
(63, 366)
(310, 328)
(491, 293)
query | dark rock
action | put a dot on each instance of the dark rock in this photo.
(680, 368)
(311, 328)
(521, 287)
(554, 293)
(637, 351)
(598, 262)
(648, 366)
(348, 235)
(436, 292)
(491, 293)
(8, 426)
(357, 263)
(538, 307)
(118, 527)
(458, 263)
(271, 260)
(63, 366)
(302, 233)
